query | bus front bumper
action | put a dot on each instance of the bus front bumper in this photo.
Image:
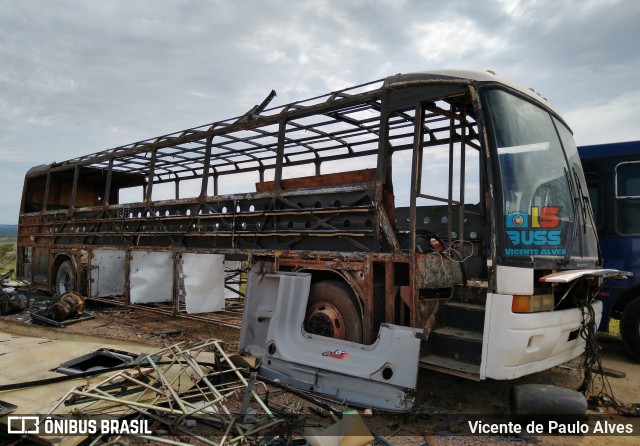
(518, 344)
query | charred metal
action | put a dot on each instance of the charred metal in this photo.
(318, 186)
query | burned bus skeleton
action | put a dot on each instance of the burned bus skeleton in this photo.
(449, 202)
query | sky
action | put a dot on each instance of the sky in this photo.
(78, 76)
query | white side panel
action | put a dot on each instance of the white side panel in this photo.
(376, 375)
(107, 273)
(512, 280)
(518, 344)
(151, 277)
(203, 282)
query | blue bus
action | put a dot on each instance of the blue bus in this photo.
(613, 178)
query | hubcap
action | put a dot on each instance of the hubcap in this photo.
(324, 319)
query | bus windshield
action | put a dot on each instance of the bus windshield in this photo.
(545, 208)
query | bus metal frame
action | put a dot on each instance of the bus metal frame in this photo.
(382, 263)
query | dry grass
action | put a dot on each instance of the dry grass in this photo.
(614, 327)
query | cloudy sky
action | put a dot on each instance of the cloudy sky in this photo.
(77, 77)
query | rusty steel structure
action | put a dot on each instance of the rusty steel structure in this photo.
(347, 186)
(339, 222)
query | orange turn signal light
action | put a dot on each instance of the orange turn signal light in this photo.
(532, 304)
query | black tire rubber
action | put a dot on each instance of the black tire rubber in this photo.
(65, 278)
(630, 328)
(336, 297)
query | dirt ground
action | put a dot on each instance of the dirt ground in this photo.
(444, 403)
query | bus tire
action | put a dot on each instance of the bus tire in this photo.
(630, 328)
(65, 278)
(332, 311)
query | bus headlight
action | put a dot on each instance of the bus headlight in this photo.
(532, 304)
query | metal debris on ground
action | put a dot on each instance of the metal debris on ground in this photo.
(12, 301)
(43, 318)
(69, 309)
(183, 394)
(181, 388)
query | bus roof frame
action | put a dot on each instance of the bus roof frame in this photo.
(191, 154)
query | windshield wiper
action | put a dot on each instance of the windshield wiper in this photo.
(586, 203)
(572, 191)
(579, 200)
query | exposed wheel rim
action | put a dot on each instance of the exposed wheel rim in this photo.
(324, 319)
(64, 283)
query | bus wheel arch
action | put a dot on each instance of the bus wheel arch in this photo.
(65, 275)
(333, 309)
(626, 297)
(630, 327)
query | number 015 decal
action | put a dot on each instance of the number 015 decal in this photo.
(536, 233)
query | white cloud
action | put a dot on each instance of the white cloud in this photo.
(553, 13)
(454, 39)
(613, 121)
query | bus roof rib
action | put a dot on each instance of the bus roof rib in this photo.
(249, 142)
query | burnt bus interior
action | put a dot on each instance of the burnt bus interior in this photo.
(91, 189)
(378, 190)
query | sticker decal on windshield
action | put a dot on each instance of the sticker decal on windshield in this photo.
(536, 233)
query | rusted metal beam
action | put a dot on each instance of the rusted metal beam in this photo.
(416, 176)
(218, 128)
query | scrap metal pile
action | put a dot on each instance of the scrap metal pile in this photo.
(172, 386)
(194, 391)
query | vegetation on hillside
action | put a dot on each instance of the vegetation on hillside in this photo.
(8, 232)
(8, 235)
